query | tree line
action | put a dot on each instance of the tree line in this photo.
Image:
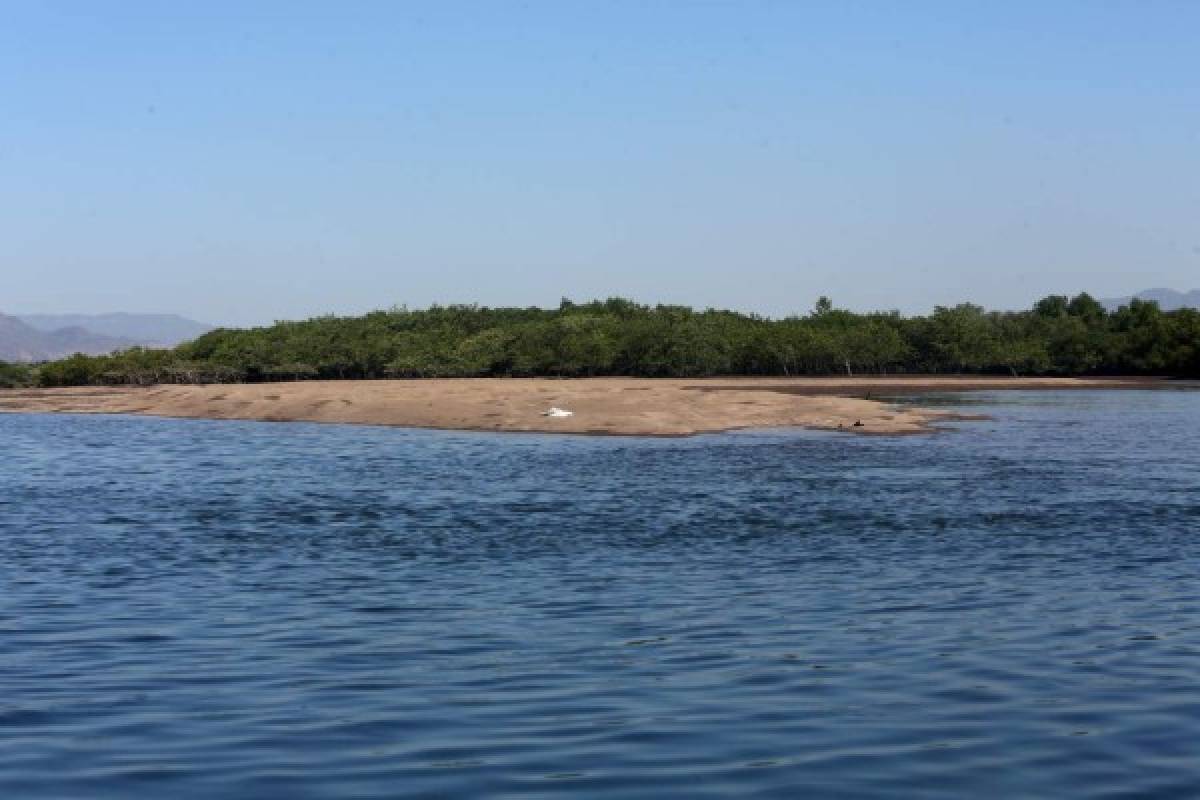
(1059, 336)
(13, 376)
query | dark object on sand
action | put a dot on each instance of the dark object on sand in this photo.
(858, 423)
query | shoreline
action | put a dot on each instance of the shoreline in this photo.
(600, 406)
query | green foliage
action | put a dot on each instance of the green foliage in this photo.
(15, 376)
(78, 370)
(1059, 336)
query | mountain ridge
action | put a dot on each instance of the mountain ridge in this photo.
(151, 330)
(22, 342)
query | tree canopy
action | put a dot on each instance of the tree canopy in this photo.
(13, 376)
(1059, 336)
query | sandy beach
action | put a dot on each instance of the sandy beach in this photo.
(615, 406)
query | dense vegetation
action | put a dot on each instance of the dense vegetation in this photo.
(1059, 336)
(13, 376)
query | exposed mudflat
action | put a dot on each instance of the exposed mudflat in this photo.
(616, 406)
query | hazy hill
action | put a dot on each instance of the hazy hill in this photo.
(22, 342)
(163, 330)
(1167, 299)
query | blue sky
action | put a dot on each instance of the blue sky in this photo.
(242, 162)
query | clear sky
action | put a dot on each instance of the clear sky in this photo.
(244, 161)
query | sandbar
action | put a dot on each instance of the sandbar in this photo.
(612, 406)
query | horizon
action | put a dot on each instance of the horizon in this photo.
(240, 165)
(800, 311)
(579, 301)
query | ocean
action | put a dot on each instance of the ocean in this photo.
(1010, 608)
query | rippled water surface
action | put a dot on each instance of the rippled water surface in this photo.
(197, 609)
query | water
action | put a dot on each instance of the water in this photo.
(198, 609)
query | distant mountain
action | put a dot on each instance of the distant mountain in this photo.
(22, 342)
(161, 330)
(1167, 299)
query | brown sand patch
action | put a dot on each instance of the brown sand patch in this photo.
(620, 406)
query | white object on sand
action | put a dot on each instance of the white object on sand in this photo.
(555, 411)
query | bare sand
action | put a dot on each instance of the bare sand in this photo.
(616, 406)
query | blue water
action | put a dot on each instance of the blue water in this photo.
(200, 609)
